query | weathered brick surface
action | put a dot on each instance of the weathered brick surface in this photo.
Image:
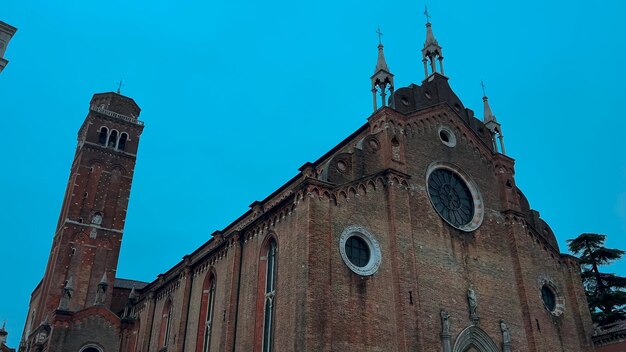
(375, 179)
(99, 182)
(427, 265)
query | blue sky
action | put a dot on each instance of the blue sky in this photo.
(236, 95)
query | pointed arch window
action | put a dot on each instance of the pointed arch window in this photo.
(104, 133)
(207, 308)
(270, 295)
(166, 324)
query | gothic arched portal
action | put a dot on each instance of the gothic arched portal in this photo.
(474, 339)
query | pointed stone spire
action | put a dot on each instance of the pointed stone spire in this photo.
(102, 289)
(103, 280)
(492, 124)
(382, 78)
(132, 295)
(431, 52)
(489, 116)
(132, 299)
(381, 63)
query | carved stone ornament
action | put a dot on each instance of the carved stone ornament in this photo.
(445, 322)
(473, 305)
(446, 345)
(506, 337)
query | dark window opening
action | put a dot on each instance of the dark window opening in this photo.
(451, 197)
(270, 294)
(548, 297)
(113, 139)
(103, 136)
(209, 317)
(538, 327)
(357, 251)
(121, 145)
(444, 136)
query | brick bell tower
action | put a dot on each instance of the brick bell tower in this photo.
(82, 265)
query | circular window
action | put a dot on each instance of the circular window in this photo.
(446, 136)
(91, 348)
(552, 299)
(373, 143)
(359, 250)
(342, 166)
(454, 196)
(404, 101)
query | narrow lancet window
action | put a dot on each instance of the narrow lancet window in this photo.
(166, 323)
(209, 317)
(207, 308)
(270, 295)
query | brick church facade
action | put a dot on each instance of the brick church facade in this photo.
(410, 235)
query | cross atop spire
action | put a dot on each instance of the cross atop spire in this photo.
(431, 52)
(120, 84)
(382, 80)
(489, 116)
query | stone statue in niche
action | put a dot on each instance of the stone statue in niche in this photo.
(506, 336)
(102, 290)
(445, 322)
(446, 345)
(473, 304)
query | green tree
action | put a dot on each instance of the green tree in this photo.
(605, 292)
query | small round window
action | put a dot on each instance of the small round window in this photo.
(359, 250)
(446, 136)
(552, 299)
